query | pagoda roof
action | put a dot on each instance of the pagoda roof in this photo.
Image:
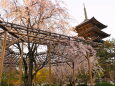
(93, 21)
(98, 31)
(103, 34)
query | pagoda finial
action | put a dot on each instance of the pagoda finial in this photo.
(85, 12)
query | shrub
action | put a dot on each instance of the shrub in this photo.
(103, 84)
(68, 85)
(54, 85)
(48, 85)
(82, 85)
(4, 84)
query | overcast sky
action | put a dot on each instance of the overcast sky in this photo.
(102, 10)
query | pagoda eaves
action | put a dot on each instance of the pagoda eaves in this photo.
(93, 21)
(91, 29)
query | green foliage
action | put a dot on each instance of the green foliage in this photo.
(48, 85)
(54, 85)
(82, 85)
(103, 84)
(83, 77)
(106, 54)
(106, 51)
(5, 84)
(68, 85)
(42, 76)
(10, 77)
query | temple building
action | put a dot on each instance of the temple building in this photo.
(91, 29)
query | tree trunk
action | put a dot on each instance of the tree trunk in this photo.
(73, 78)
(25, 81)
(72, 83)
(25, 73)
(28, 73)
(90, 72)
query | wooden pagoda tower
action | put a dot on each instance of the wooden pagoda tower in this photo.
(91, 29)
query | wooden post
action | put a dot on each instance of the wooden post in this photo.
(73, 67)
(12, 42)
(49, 64)
(10, 71)
(2, 55)
(90, 71)
(21, 65)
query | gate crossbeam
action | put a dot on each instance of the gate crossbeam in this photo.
(18, 30)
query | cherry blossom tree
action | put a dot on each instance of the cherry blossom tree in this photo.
(45, 15)
(48, 15)
(78, 54)
(41, 14)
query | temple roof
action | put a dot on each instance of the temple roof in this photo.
(93, 21)
(103, 34)
(96, 31)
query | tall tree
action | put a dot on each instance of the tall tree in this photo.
(76, 54)
(106, 55)
(40, 14)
